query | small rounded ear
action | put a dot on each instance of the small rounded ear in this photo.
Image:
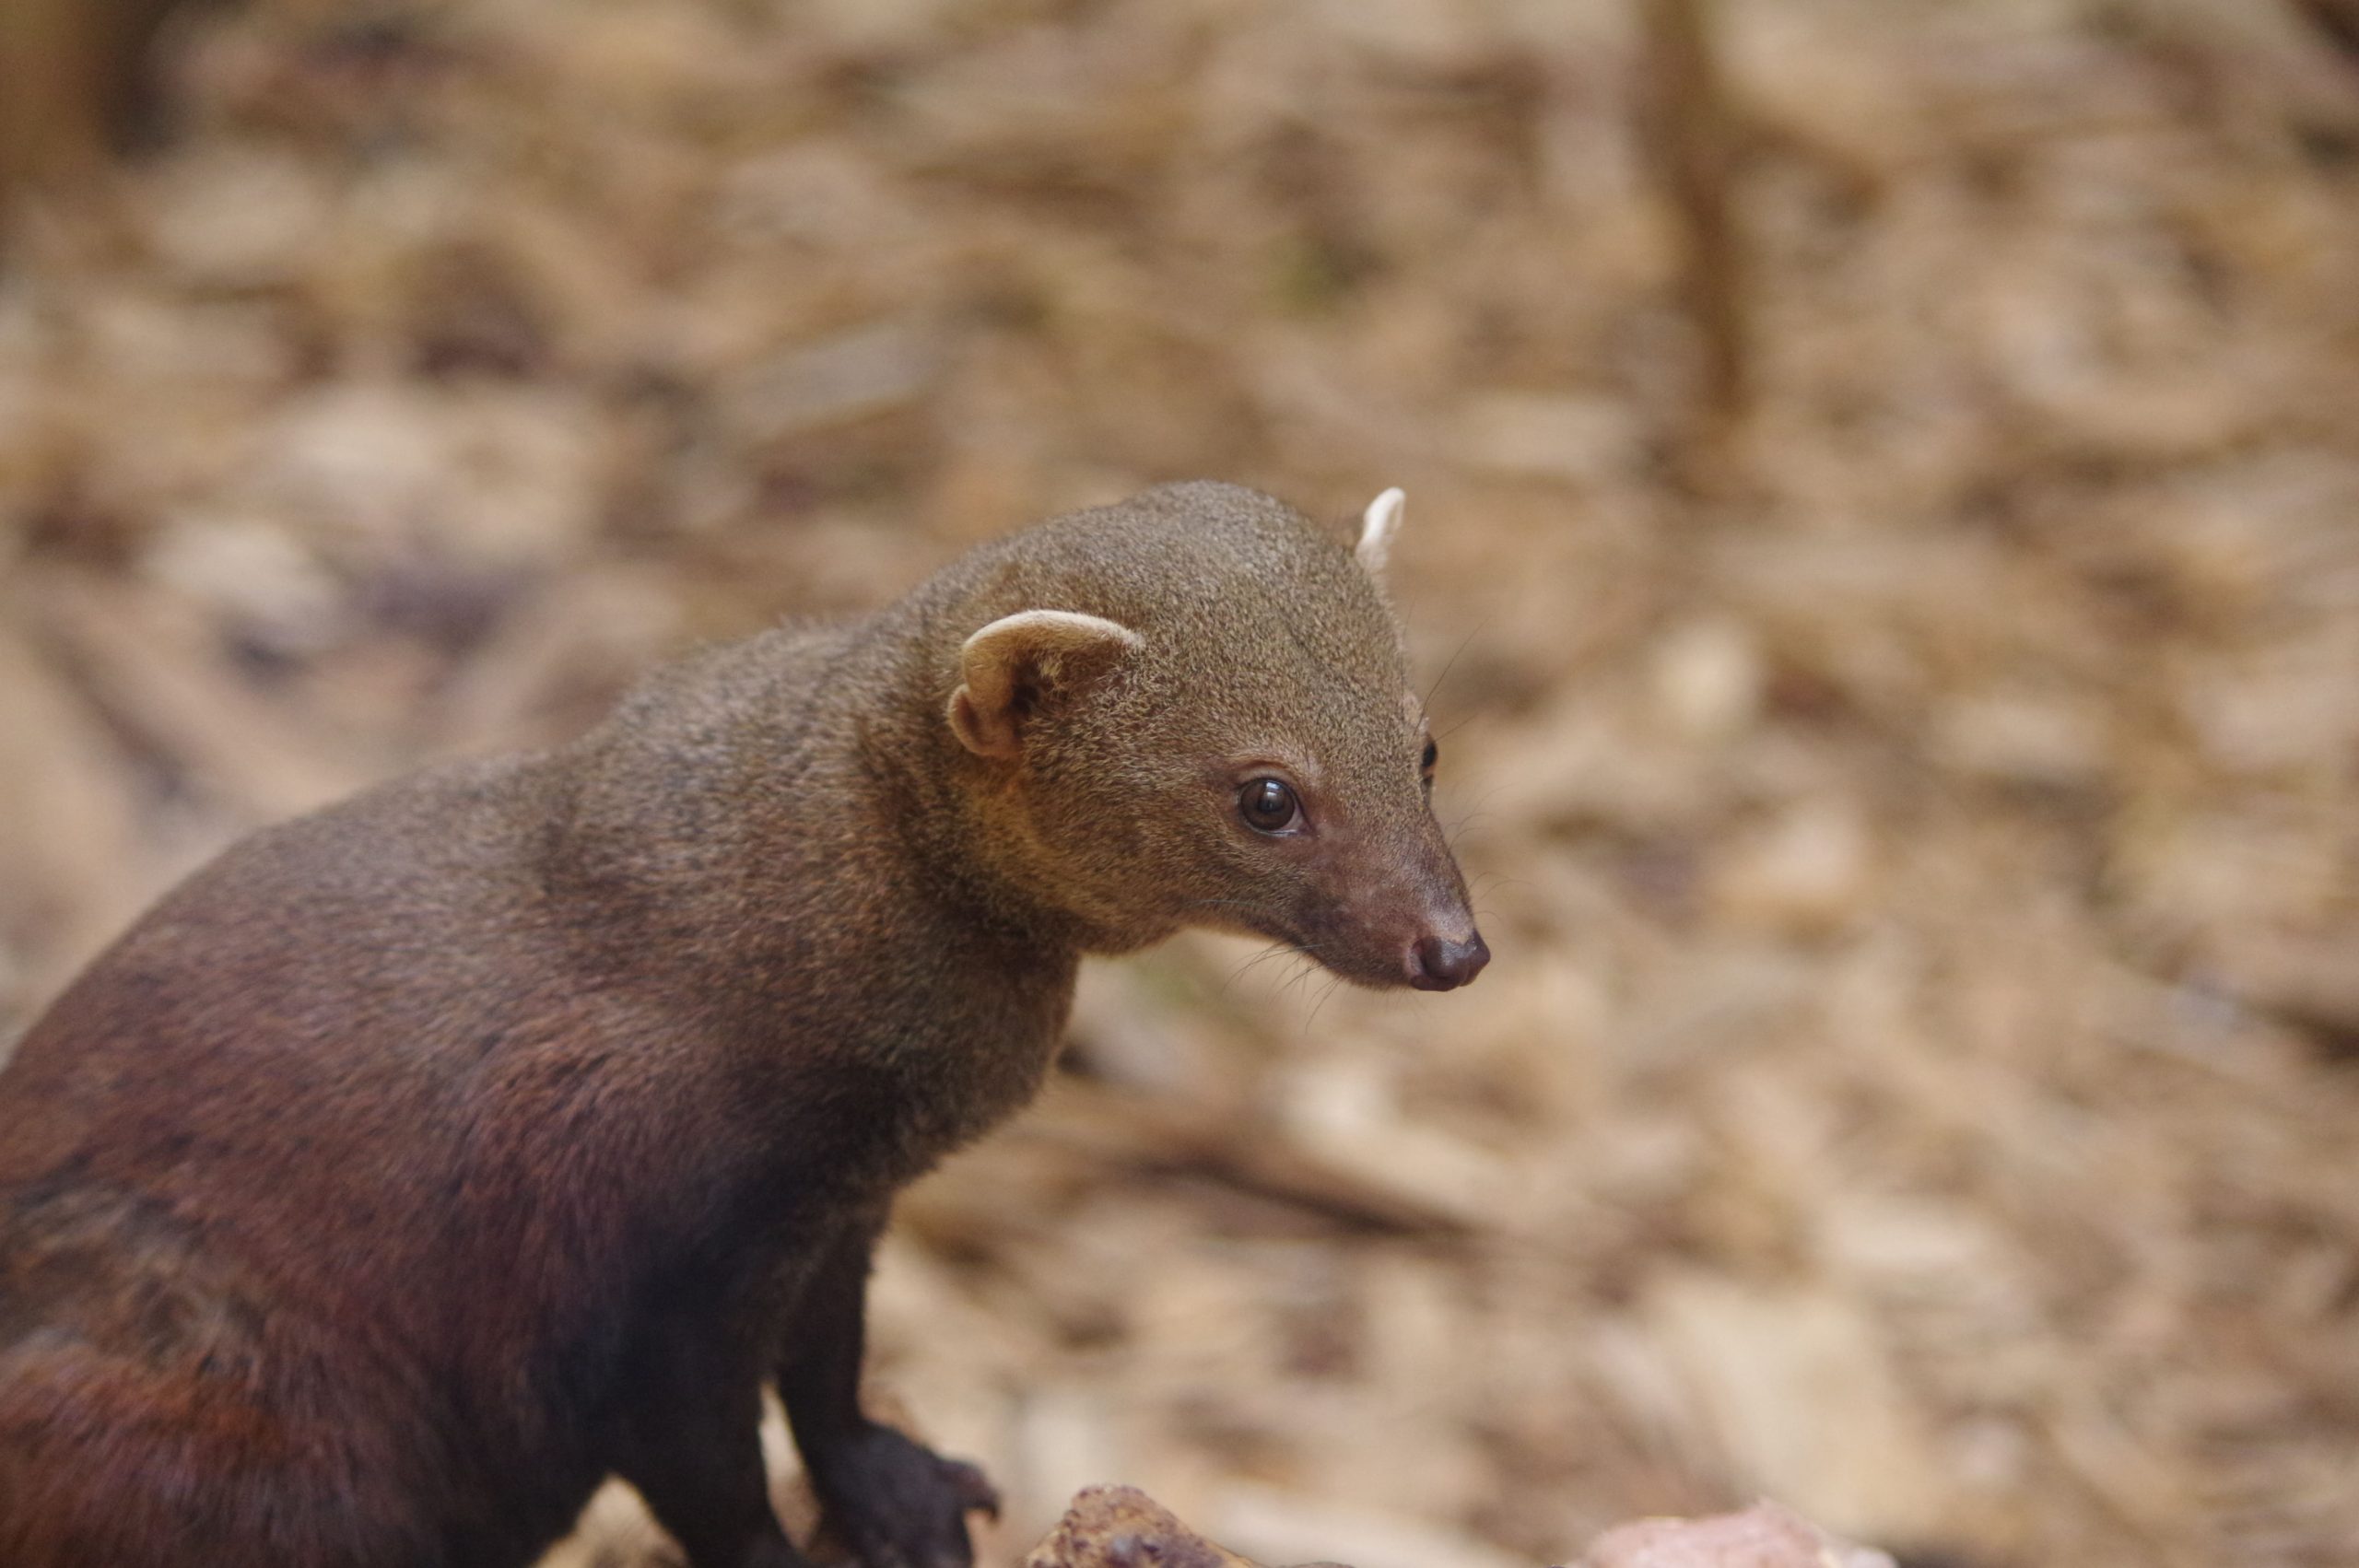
(1010, 666)
(1377, 527)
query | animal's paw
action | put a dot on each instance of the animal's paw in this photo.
(899, 1505)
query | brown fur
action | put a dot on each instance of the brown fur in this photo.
(422, 1160)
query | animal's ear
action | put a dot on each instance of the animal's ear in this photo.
(1378, 525)
(1011, 666)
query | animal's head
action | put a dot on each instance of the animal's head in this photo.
(1203, 716)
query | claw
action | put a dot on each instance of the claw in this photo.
(900, 1505)
(976, 1493)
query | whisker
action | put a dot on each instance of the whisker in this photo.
(1454, 729)
(1274, 950)
(1464, 643)
(1334, 984)
(1256, 960)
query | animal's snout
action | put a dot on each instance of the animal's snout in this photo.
(1441, 963)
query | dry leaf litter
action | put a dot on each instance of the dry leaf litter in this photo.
(1917, 825)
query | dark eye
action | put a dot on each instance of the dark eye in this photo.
(1267, 806)
(1425, 763)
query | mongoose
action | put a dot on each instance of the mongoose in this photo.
(422, 1162)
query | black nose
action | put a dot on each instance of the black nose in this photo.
(1438, 963)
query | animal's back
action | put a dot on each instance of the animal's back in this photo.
(184, 1343)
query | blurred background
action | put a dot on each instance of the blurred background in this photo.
(1883, 530)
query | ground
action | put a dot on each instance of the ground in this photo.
(1917, 818)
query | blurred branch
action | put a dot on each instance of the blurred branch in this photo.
(72, 77)
(1693, 138)
(2337, 20)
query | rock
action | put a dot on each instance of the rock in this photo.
(1764, 1536)
(1120, 1527)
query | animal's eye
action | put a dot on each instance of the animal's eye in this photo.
(1425, 763)
(1268, 806)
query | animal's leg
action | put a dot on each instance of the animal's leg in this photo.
(692, 1446)
(897, 1504)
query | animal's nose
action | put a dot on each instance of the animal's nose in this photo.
(1438, 963)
